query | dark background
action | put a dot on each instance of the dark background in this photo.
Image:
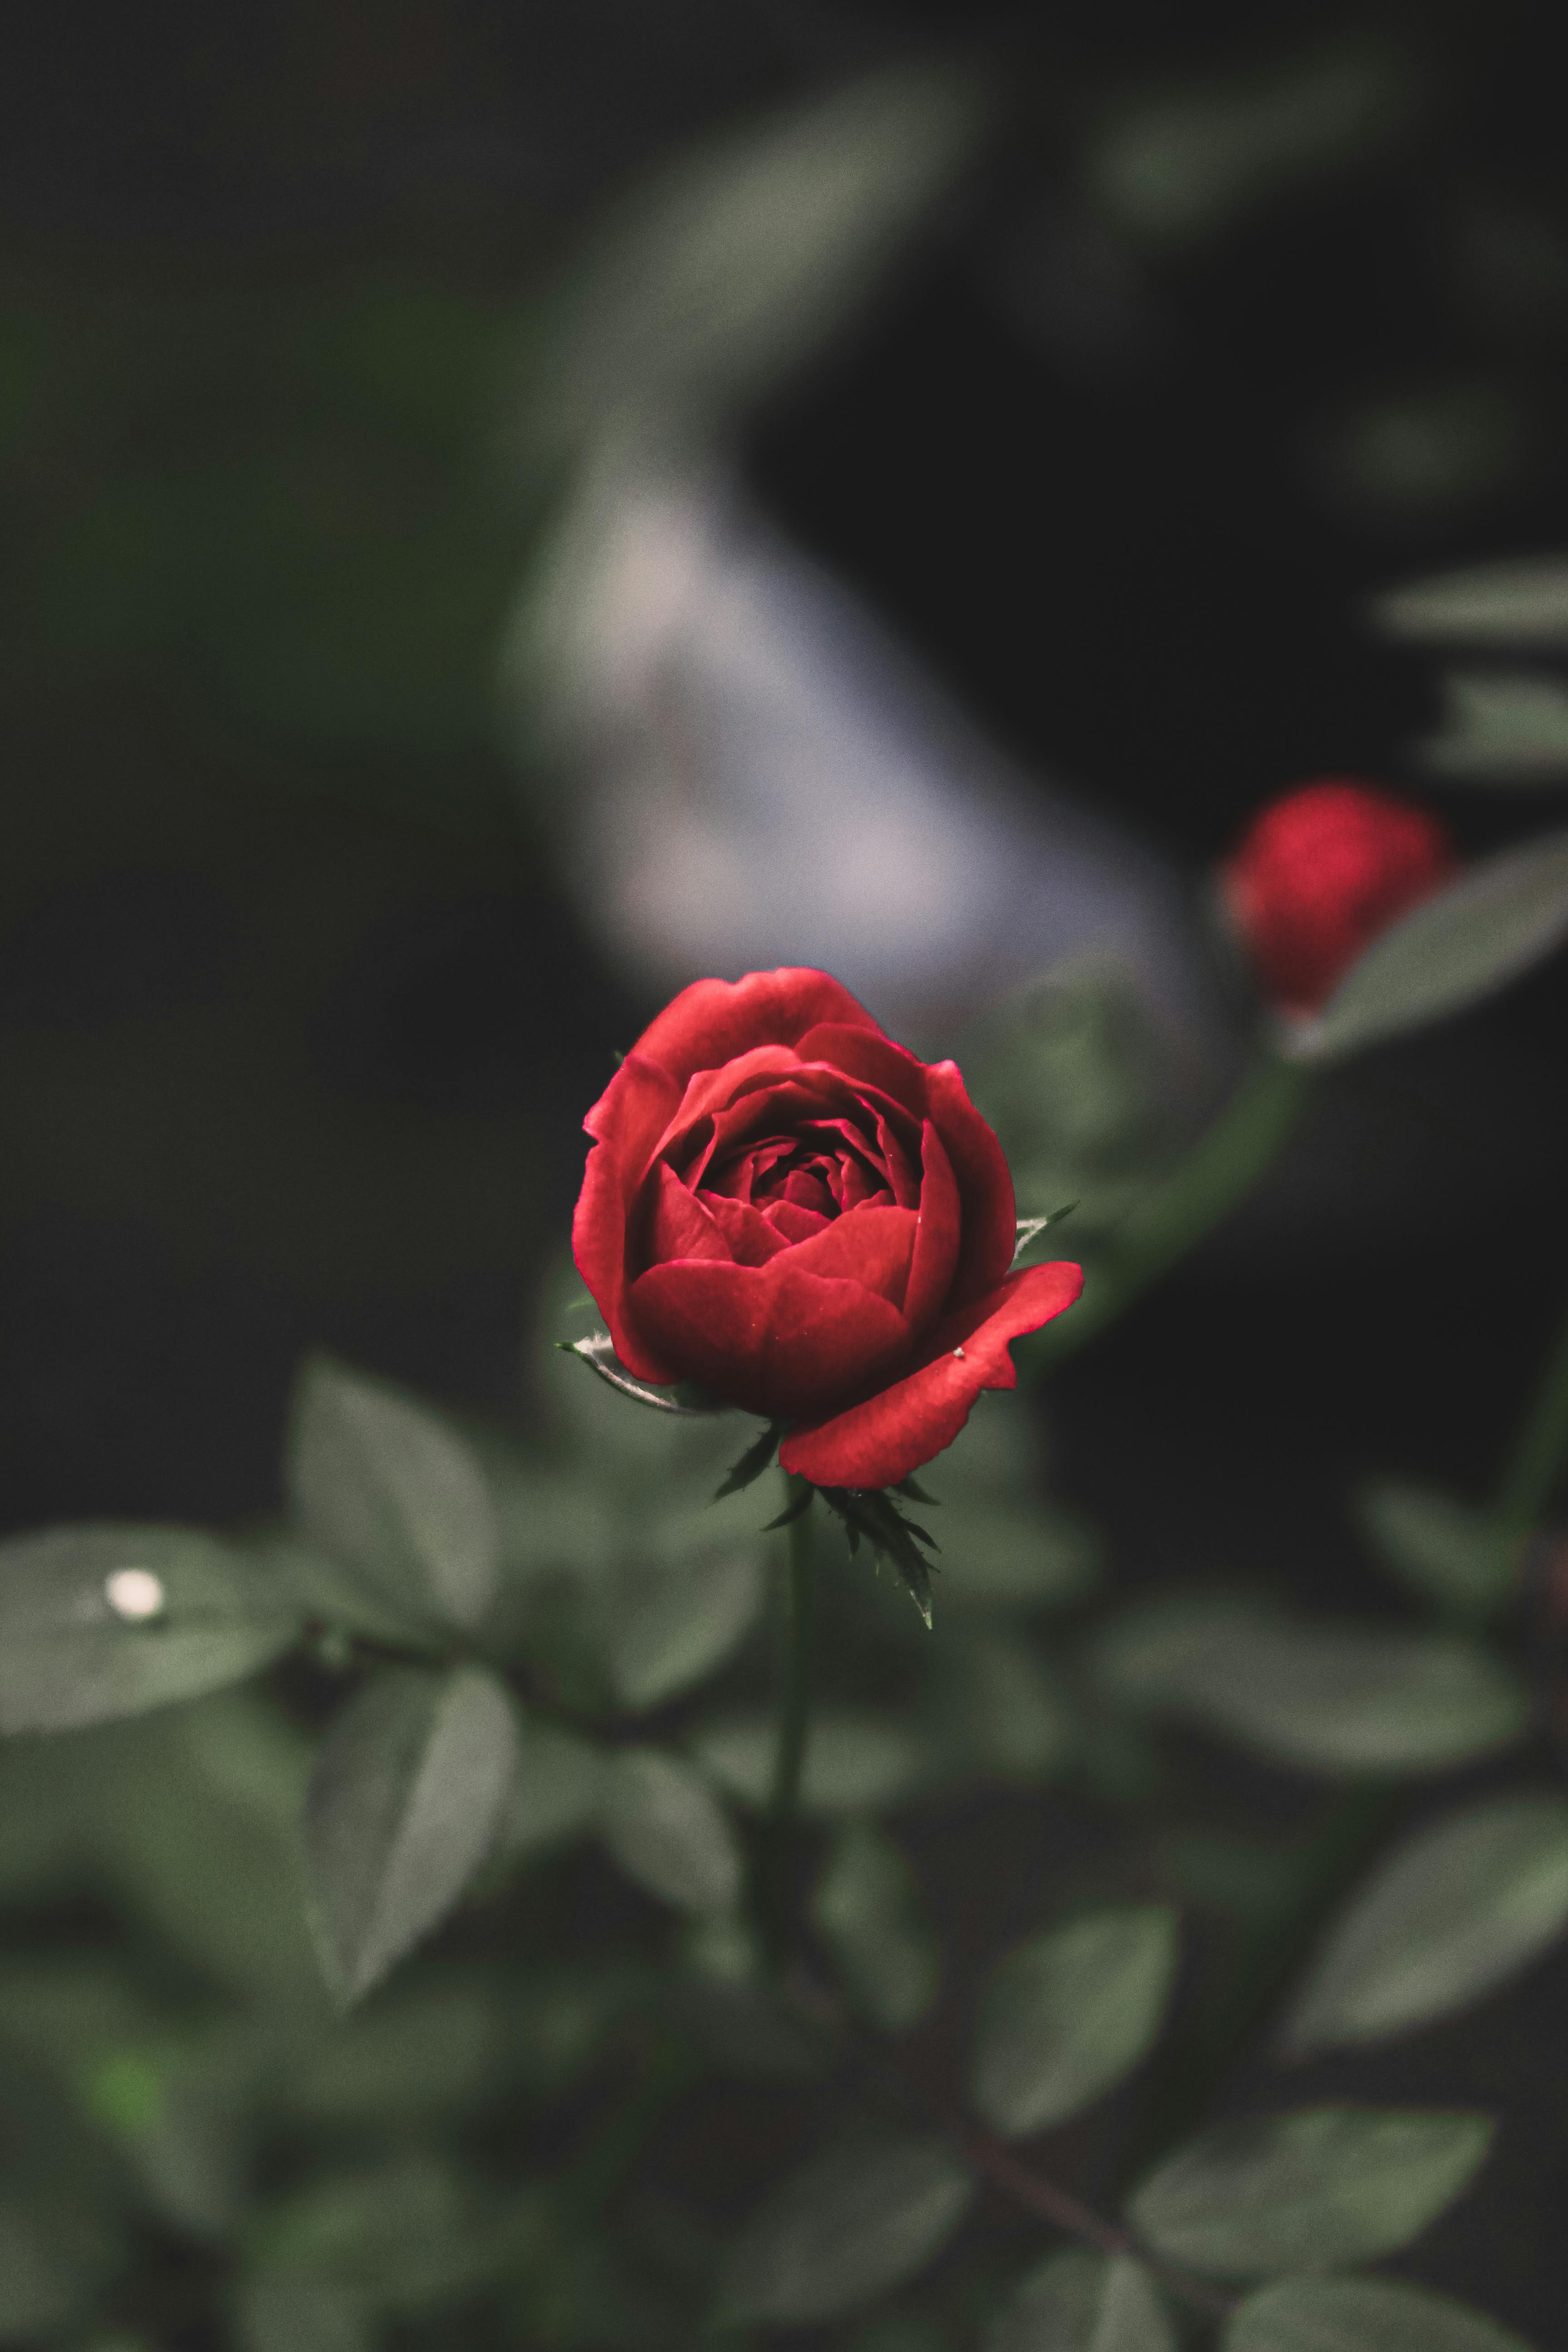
(296, 1025)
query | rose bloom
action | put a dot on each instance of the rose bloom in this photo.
(789, 1209)
(1320, 873)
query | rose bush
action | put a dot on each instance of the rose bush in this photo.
(1320, 873)
(786, 1207)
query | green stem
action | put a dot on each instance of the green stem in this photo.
(794, 1710)
(1541, 1450)
(772, 1889)
(1218, 1172)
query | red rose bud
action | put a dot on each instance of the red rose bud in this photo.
(784, 1207)
(1320, 875)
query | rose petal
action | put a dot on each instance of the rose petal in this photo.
(873, 1246)
(683, 1226)
(713, 1021)
(882, 1440)
(628, 1119)
(774, 1339)
(870, 1056)
(937, 1236)
(791, 1223)
(751, 1233)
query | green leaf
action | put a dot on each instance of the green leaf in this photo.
(100, 1621)
(1329, 1698)
(729, 268)
(867, 1913)
(1000, 1556)
(1497, 727)
(853, 1762)
(557, 1792)
(1361, 2315)
(1081, 2302)
(287, 2311)
(665, 1827)
(388, 1489)
(52, 2264)
(408, 1792)
(1503, 915)
(1456, 1910)
(1070, 2012)
(1524, 602)
(1446, 1551)
(1009, 1713)
(675, 1620)
(597, 1350)
(842, 2229)
(404, 2236)
(1309, 2191)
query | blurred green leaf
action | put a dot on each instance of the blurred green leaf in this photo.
(100, 1621)
(1074, 1077)
(390, 1490)
(1504, 914)
(842, 2229)
(1329, 1698)
(663, 1824)
(277, 2311)
(1309, 2191)
(1174, 164)
(1008, 1712)
(1456, 1910)
(867, 1913)
(854, 1763)
(558, 1790)
(673, 1620)
(402, 2237)
(730, 268)
(1446, 1551)
(424, 2049)
(1358, 2315)
(1501, 728)
(52, 2264)
(408, 1792)
(1070, 2012)
(1523, 602)
(192, 1818)
(994, 1555)
(1081, 2302)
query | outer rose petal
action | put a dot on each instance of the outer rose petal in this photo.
(937, 1233)
(713, 1021)
(628, 1119)
(880, 1441)
(775, 1339)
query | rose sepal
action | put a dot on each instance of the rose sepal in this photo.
(870, 1514)
(597, 1350)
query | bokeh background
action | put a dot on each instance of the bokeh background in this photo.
(509, 507)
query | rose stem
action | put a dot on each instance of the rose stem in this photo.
(1536, 1462)
(1179, 1212)
(774, 1905)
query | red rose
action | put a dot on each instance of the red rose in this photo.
(1320, 873)
(786, 1207)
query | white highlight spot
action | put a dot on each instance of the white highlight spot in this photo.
(959, 1353)
(136, 1594)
